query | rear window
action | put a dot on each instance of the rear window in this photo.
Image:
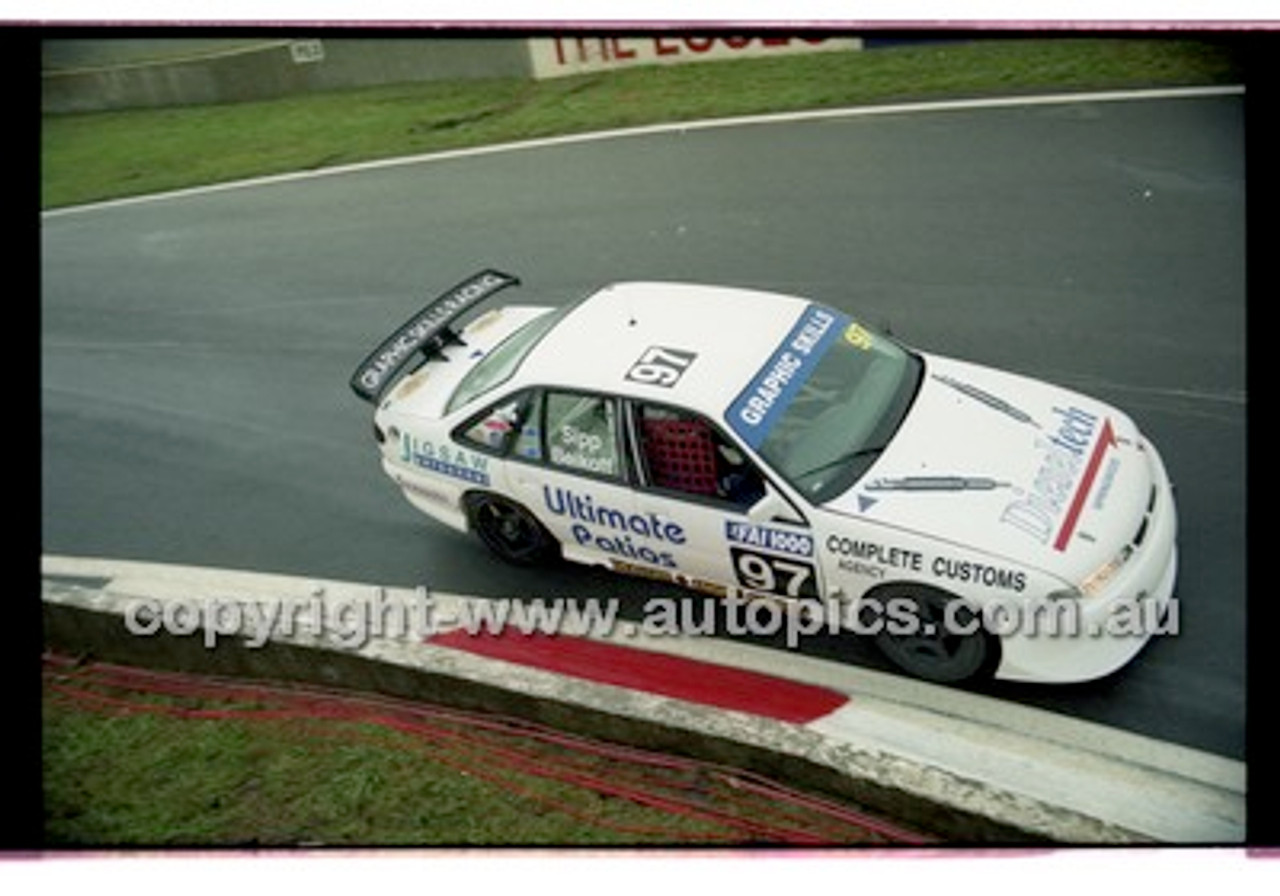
(501, 364)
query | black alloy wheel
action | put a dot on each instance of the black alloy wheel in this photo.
(510, 530)
(933, 635)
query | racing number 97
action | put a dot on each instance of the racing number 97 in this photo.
(660, 366)
(774, 575)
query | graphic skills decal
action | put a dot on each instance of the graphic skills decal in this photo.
(426, 332)
(769, 393)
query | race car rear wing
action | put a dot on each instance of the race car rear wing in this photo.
(427, 332)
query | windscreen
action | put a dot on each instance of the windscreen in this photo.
(827, 402)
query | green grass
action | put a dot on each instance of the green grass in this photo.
(142, 780)
(201, 762)
(97, 156)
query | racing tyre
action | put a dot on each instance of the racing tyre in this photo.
(510, 530)
(915, 635)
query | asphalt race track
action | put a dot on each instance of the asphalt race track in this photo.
(195, 350)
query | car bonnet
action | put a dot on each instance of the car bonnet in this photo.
(1010, 466)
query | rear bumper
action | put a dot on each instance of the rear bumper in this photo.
(433, 495)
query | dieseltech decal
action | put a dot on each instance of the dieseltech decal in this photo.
(772, 389)
(445, 459)
(635, 536)
(1060, 487)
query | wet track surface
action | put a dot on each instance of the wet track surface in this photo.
(195, 350)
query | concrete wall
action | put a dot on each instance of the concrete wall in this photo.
(87, 75)
(263, 69)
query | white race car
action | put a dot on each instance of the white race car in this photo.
(756, 445)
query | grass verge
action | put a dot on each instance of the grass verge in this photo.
(97, 156)
(133, 757)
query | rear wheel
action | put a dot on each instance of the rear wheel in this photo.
(931, 634)
(510, 530)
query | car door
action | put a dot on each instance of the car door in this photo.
(738, 530)
(573, 471)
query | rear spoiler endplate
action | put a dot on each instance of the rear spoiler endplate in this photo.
(425, 334)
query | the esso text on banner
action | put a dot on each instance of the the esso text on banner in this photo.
(554, 57)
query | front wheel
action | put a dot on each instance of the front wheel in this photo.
(931, 635)
(510, 530)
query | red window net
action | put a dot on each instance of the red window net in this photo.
(681, 455)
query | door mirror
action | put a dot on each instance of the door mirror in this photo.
(774, 508)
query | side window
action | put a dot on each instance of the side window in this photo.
(685, 453)
(582, 433)
(511, 425)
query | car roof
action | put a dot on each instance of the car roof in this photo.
(732, 332)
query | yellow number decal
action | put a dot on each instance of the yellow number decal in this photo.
(857, 337)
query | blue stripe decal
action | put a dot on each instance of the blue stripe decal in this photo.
(772, 390)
